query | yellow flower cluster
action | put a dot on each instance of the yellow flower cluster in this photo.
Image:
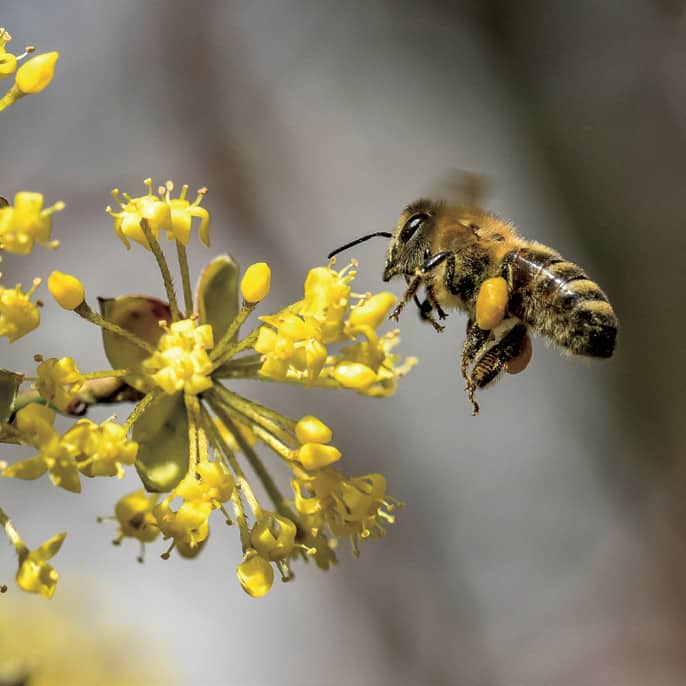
(26, 223)
(22, 226)
(86, 448)
(190, 433)
(294, 342)
(162, 212)
(181, 362)
(18, 315)
(59, 381)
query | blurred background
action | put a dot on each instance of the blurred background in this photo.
(543, 541)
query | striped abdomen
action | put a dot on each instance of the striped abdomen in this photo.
(558, 301)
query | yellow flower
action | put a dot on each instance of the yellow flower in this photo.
(67, 290)
(102, 449)
(348, 507)
(182, 213)
(181, 362)
(193, 434)
(36, 74)
(95, 450)
(127, 222)
(58, 381)
(273, 536)
(294, 342)
(255, 574)
(56, 456)
(8, 61)
(136, 520)
(188, 526)
(35, 575)
(18, 315)
(26, 223)
(210, 482)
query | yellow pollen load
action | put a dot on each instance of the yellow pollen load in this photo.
(491, 303)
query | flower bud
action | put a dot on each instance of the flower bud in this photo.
(373, 311)
(312, 430)
(354, 375)
(256, 282)
(35, 74)
(316, 455)
(67, 290)
(255, 574)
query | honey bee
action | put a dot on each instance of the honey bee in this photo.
(474, 261)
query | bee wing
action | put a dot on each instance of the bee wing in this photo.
(462, 188)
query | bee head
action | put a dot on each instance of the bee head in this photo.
(411, 240)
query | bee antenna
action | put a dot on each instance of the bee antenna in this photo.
(383, 234)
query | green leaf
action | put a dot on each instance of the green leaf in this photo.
(9, 387)
(141, 315)
(217, 294)
(162, 437)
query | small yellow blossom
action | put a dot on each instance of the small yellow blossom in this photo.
(58, 381)
(8, 61)
(26, 223)
(182, 214)
(181, 361)
(134, 514)
(67, 290)
(188, 525)
(56, 456)
(293, 343)
(256, 282)
(18, 315)
(127, 222)
(102, 448)
(36, 74)
(210, 482)
(348, 507)
(273, 536)
(255, 574)
(35, 575)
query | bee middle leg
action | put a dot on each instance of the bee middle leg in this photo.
(414, 282)
(427, 306)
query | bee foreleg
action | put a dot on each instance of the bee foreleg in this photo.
(412, 287)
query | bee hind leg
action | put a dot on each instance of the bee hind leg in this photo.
(491, 362)
(474, 343)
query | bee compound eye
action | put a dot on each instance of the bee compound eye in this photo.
(411, 226)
